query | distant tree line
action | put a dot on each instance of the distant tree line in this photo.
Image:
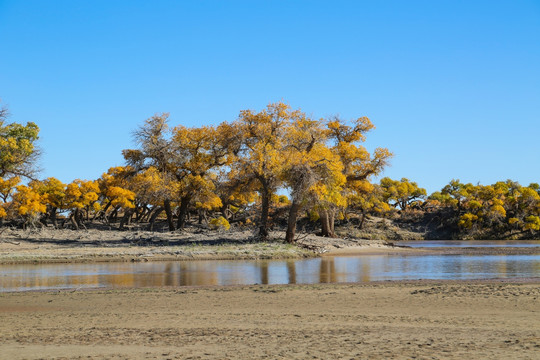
(234, 173)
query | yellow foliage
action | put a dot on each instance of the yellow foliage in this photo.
(314, 215)
(115, 177)
(219, 223)
(52, 190)
(402, 192)
(474, 204)
(499, 210)
(467, 220)
(283, 199)
(210, 201)
(121, 197)
(532, 223)
(280, 200)
(81, 194)
(16, 147)
(7, 186)
(28, 202)
(151, 187)
(381, 207)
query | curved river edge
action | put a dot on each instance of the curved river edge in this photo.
(67, 246)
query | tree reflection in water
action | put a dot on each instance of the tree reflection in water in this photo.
(245, 272)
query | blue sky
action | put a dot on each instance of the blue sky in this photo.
(453, 87)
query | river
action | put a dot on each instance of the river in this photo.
(329, 269)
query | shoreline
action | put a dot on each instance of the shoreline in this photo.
(83, 246)
(87, 246)
(96, 255)
(285, 287)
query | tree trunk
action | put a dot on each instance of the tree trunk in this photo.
(72, 218)
(265, 210)
(112, 216)
(291, 224)
(126, 218)
(145, 214)
(202, 217)
(102, 212)
(361, 225)
(168, 211)
(327, 223)
(225, 212)
(79, 218)
(152, 220)
(325, 227)
(52, 216)
(332, 222)
(43, 220)
(115, 214)
(184, 203)
(138, 211)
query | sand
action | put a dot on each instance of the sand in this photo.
(403, 320)
(69, 246)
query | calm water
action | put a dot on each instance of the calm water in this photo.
(310, 271)
(473, 243)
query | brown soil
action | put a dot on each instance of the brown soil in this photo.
(424, 320)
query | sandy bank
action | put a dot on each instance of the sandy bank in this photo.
(450, 320)
(375, 249)
(68, 246)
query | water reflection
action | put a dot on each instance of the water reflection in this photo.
(320, 270)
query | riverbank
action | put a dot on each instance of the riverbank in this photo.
(423, 319)
(68, 246)
(42, 246)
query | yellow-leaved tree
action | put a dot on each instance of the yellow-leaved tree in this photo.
(401, 193)
(366, 197)
(114, 188)
(28, 204)
(7, 187)
(358, 163)
(189, 158)
(236, 194)
(199, 153)
(312, 172)
(260, 159)
(18, 151)
(151, 188)
(81, 196)
(153, 138)
(53, 193)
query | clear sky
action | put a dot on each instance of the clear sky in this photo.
(453, 87)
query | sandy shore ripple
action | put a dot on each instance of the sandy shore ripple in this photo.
(388, 320)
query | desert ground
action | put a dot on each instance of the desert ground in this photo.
(401, 320)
